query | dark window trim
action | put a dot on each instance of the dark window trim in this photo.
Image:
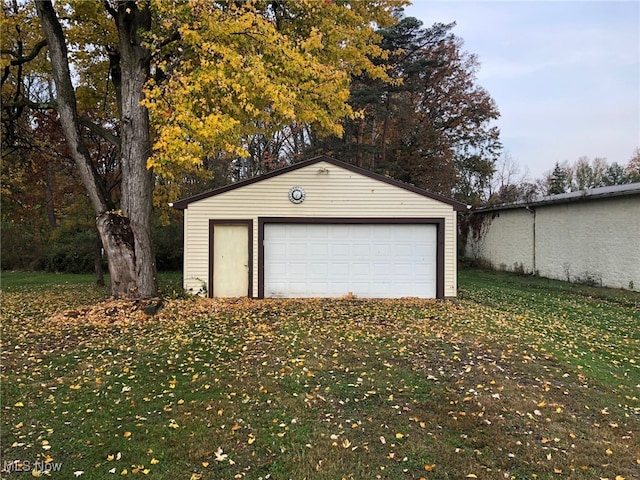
(439, 222)
(249, 225)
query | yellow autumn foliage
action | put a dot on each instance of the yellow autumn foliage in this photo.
(244, 68)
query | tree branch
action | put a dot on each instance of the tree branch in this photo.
(25, 102)
(101, 132)
(110, 9)
(67, 104)
(171, 38)
(19, 60)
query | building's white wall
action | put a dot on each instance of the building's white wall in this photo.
(338, 193)
(595, 241)
(505, 240)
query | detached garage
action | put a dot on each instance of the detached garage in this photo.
(320, 228)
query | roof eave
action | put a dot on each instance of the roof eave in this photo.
(634, 189)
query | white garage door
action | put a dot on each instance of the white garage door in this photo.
(367, 260)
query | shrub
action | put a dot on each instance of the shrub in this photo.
(22, 248)
(72, 249)
(168, 246)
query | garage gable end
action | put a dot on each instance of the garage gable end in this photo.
(324, 164)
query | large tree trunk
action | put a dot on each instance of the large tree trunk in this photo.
(118, 243)
(137, 179)
(125, 236)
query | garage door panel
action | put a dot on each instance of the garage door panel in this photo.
(368, 260)
(402, 270)
(297, 249)
(338, 270)
(278, 290)
(339, 250)
(297, 290)
(316, 269)
(382, 250)
(361, 269)
(299, 233)
(299, 270)
(359, 287)
(321, 232)
(279, 270)
(278, 249)
(338, 289)
(355, 234)
(316, 249)
(361, 250)
(381, 270)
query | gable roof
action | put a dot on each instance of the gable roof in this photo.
(184, 203)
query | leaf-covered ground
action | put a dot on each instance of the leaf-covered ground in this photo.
(519, 379)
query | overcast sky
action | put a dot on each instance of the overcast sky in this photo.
(564, 74)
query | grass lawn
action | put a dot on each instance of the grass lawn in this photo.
(522, 378)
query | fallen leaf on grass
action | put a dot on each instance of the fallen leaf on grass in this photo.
(220, 455)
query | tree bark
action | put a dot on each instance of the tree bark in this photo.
(137, 179)
(126, 235)
(360, 142)
(385, 133)
(118, 243)
(98, 261)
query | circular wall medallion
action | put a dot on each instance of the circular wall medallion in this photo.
(296, 195)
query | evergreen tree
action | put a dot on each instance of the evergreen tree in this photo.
(558, 181)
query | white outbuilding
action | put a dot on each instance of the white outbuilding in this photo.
(320, 228)
(589, 236)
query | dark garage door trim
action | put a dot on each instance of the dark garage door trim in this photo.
(439, 222)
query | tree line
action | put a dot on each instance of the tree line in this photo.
(585, 173)
(510, 185)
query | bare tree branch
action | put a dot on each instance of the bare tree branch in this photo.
(100, 131)
(19, 60)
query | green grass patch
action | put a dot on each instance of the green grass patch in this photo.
(13, 279)
(521, 378)
(170, 283)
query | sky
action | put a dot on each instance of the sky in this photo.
(565, 75)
